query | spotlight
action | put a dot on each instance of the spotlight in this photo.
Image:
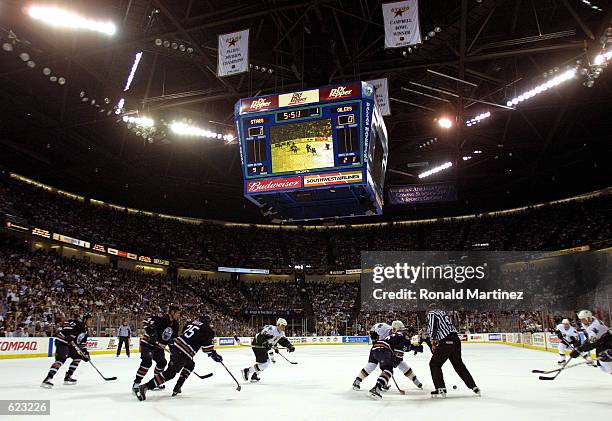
(557, 80)
(270, 71)
(435, 170)
(174, 45)
(81, 94)
(7, 46)
(158, 42)
(431, 34)
(24, 56)
(438, 29)
(166, 44)
(64, 18)
(85, 99)
(182, 48)
(106, 100)
(47, 72)
(445, 123)
(53, 78)
(31, 64)
(133, 71)
(93, 102)
(189, 50)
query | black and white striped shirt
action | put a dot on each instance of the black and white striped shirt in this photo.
(439, 325)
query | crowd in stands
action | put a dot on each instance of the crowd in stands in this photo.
(211, 245)
(38, 290)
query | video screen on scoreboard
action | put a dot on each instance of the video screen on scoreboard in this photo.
(306, 145)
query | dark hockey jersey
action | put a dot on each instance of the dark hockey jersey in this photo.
(159, 331)
(73, 331)
(396, 343)
(196, 335)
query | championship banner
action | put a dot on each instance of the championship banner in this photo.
(401, 23)
(381, 88)
(422, 193)
(233, 53)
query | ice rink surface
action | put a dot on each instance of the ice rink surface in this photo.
(319, 388)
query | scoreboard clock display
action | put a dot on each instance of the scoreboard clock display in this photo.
(312, 139)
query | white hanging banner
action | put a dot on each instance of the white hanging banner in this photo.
(381, 89)
(233, 55)
(401, 23)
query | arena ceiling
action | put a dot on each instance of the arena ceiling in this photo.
(553, 146)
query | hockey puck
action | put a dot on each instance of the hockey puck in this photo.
(454, 387)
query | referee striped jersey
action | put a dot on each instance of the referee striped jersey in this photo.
(439, 325)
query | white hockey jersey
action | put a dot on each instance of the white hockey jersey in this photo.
(269, 334)
(382, 330)
(569, 333)
(595, 330)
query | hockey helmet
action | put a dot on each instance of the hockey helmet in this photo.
(397, 325)
(281, 322)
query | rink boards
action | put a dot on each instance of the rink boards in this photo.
(44, 347)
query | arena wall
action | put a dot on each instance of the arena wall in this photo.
(44, 347)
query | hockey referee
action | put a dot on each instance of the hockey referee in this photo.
(446, 345)
(124, 332)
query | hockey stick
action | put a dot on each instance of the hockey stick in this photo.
(238, 387)
(401, 391)
(205, 376)
(566, 368)
(92, 364)
(285, 358)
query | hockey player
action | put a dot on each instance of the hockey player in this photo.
(159, 332)
(263, 342)
(71, 342)
(569, 338)
(197, 334)
(397, 341)
(599, 338)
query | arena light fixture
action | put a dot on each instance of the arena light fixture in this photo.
(549, 84)
(475, 120)
(445, 122)
(128, 83)
(139, 121)
(186, 129)
(55, 16)
(120, 105)
(435, 170)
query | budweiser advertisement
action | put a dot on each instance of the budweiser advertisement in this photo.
(273, 184)
(331, 179)
(259, 104)
(350, 90)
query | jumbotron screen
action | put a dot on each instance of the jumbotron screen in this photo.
(306, 145)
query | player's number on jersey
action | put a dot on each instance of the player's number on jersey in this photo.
(189, 331)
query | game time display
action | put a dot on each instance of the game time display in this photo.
(312, 139)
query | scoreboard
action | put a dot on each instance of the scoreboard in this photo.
(313, 154)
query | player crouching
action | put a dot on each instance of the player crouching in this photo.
(71, 342)
(197, 334)
(599, 338)
(388, 353)
(263, 342)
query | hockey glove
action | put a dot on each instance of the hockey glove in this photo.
(215, 356)
(290, 348)
(276, 350)
(575, 353)
(267, 345)
(85, 355)
(417, 348)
